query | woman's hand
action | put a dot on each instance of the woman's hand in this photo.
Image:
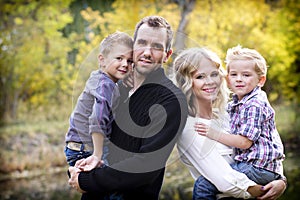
(273, 190)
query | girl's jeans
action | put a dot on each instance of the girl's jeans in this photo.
(203, 189)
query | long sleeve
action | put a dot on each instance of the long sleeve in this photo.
(202, 157)
(144, 133)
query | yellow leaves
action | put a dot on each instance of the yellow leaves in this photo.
(18, 21)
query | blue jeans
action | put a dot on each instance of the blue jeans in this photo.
(203, 189)
(72, 155)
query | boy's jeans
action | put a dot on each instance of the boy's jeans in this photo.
(203, 189)
(72, 155)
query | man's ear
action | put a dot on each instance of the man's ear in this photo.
(262, 81)
(169, 53)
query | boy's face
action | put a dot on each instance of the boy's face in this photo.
(118, 63)
(242, 78)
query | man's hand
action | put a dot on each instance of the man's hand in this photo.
(273, 190)
(73, 180)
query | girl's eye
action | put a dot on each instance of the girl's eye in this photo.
(246, 75)
(232, 74)
(119, 58)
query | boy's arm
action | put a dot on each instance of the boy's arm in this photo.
(94, 160)
(228, 139)
(223, 137)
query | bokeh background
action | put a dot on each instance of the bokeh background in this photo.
(48, 49)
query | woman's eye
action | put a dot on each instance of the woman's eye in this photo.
(215, 74)
(200, 77)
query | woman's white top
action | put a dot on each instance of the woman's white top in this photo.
(211, 159)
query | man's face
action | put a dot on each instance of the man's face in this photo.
(149, 49)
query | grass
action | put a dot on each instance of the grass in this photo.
(37, 146)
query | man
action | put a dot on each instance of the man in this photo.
(148, 120)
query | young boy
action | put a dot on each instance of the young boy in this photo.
(90, 122)
(258, 147)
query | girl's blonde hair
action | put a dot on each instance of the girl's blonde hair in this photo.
(185, 65)
(240, 53)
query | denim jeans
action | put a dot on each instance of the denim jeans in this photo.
(72, 155)
(258, 175)
(203, 189)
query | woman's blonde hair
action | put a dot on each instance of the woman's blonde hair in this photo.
(185, 65)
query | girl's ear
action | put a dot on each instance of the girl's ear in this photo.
(262, 81)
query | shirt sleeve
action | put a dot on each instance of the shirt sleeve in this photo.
(252, 118)
(102, 114)
(201, 156)
(147, 165)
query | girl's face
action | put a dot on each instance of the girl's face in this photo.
(206, 81)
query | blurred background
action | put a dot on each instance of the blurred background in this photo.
(48, 49)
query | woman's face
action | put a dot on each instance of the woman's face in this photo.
(206, 81)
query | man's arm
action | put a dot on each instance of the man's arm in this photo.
(143, 167)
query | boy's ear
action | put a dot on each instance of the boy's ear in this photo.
(101, 59)
(262, 81)
(169, 53)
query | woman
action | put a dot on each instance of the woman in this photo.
(199, 73)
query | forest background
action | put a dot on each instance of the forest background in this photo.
(48, 49)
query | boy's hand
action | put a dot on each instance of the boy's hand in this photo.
(128, 80)
(89, 163)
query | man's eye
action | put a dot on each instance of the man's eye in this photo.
(158, 47)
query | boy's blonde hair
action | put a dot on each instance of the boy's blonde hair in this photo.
(186, 64)
(116, 38)
(239, 53)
